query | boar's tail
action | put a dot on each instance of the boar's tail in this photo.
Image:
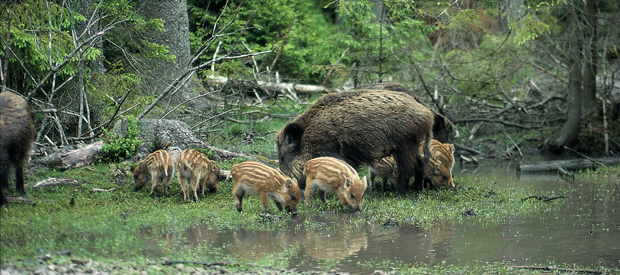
(229, 176)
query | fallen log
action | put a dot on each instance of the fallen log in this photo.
(82, 156)
(553, 166)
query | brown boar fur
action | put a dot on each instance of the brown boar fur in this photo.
(443, 129)
(156, 167)
(359, 126)
(328, 174)
(196, 172)
(386, 169)
(259, 179)
(16, 137)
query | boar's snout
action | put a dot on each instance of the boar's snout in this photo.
(292, 209)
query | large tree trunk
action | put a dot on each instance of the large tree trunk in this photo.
(176, 38)
(569, 131)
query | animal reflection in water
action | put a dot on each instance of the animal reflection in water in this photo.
(337, 245)
(318, 245)
(255, 246)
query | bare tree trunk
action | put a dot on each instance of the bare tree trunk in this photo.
(590, 68)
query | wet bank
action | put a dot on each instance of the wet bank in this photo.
(482, 221)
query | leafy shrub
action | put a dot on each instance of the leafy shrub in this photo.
(116, 147)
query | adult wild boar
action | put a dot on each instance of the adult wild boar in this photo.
(359, 126)
(443, 129)
(16, 137)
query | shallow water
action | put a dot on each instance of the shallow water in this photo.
(585, 230)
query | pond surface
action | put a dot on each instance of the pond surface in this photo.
(585, 230)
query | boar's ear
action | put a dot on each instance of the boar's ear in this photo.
(288, 184)
(347, 183)
(292, 135)
(437, 166)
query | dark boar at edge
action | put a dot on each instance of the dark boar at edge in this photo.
(359, 126)
(15, 140)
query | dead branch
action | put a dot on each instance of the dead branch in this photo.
(103, 190)
(586, 157)
(273, 64)
(27, 200)
(542, 198)
(55, 182)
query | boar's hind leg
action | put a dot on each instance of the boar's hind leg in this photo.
(194, 188)
(165, 183)
(155, 179)
(19, 179)
(3, 200)
(322, 197)
(238, 194)
(183, 183)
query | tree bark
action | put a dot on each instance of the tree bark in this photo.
(569, 131)
(176, 38)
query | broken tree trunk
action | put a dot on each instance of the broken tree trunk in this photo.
(555, 165)
(82, 156)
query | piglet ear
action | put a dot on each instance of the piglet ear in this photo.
(437, 168)
(452, 149)
(213, 166)
(288, 184)
(347, 183)
(365, 182)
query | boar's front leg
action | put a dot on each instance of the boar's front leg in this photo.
(279, 205)
(343, 200)
(19, 179)
(322, 197)
(264, 200)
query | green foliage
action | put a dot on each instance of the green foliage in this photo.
(309, 42)
(116, 147)
(40, 38)
(207, 152)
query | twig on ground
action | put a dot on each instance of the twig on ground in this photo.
(542, 198)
